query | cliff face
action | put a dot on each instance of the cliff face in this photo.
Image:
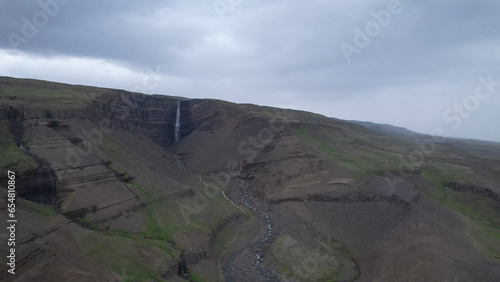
(152, 116)
(74, 163)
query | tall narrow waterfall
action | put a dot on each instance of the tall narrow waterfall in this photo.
(178, 122)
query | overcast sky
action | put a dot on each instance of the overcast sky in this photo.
(408, 63)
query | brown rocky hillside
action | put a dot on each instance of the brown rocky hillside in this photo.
(248, 193)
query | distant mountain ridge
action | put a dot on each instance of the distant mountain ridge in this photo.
(386, 128)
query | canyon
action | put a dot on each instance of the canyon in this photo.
(121, 186)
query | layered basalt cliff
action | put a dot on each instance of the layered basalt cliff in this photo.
(148, 115)
(152, 116)
(474, 189)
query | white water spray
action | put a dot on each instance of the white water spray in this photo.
(50, 175)
(40, 178)
(177, 122)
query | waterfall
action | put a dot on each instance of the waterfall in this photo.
(182, 267)
(51, 179)
(45, 194)
(40, 178)
(177, 122)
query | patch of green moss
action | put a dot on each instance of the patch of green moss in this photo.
(12, 155)
(336, 277)
(87, 224)
(51, 96)
(195, 277)
(123, 175)
(26, 137)
(347, 151)
(478, 211)
(123, 255)
(299, 261)
(438, 181)
(321, 145)
(38, 208)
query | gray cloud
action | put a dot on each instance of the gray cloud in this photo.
(281, 53)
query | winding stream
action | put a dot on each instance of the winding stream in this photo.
(257, 246)
(46, 192)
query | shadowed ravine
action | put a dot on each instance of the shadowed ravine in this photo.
(44, 191)
(255, 248)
